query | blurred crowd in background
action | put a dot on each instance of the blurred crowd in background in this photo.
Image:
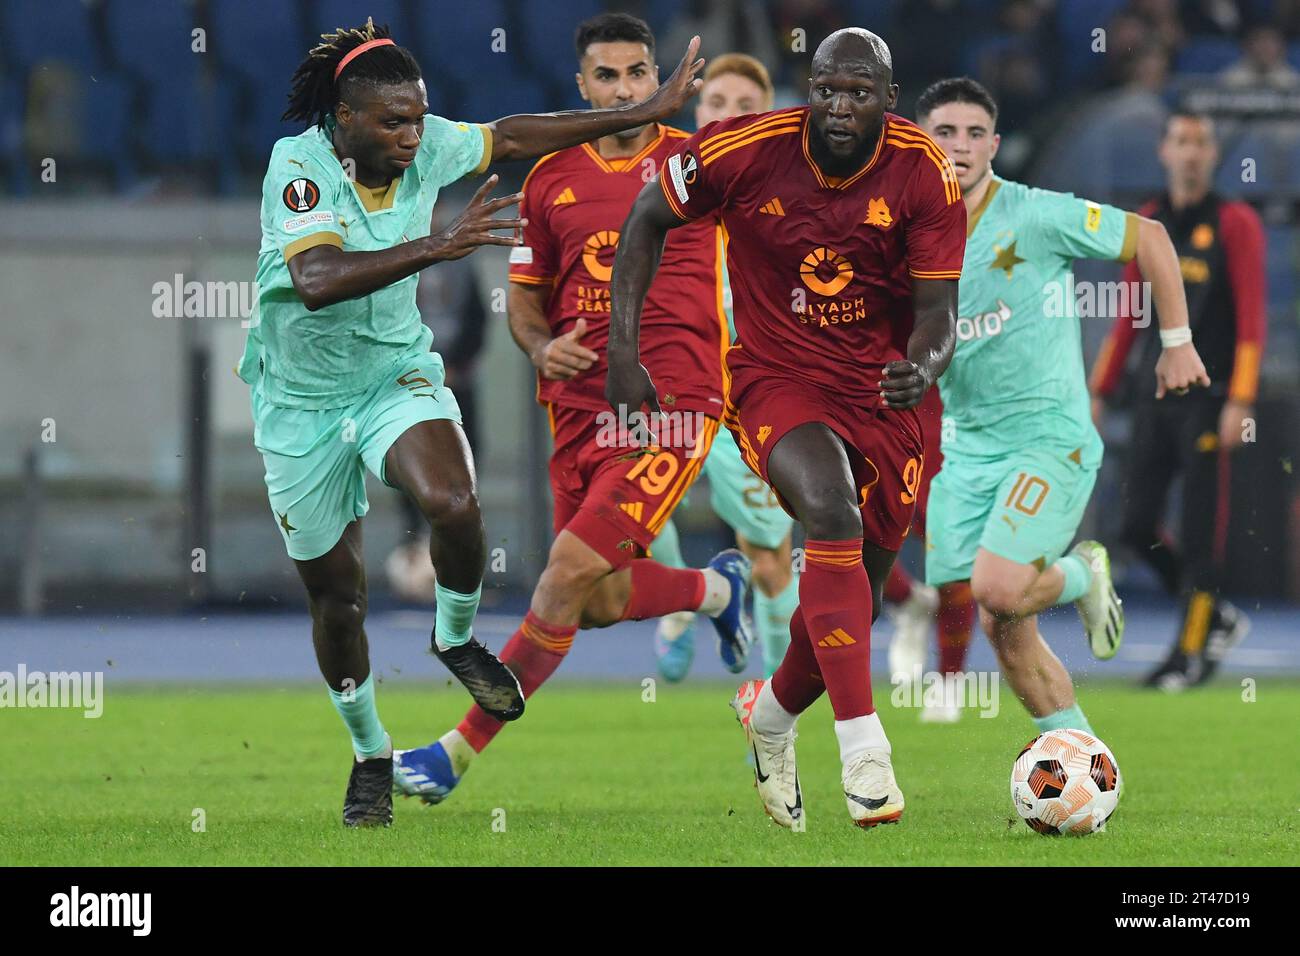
(118, 90)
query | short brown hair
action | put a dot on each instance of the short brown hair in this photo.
(742, 64)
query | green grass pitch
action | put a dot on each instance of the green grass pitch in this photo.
(594, 775)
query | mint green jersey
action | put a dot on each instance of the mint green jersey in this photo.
(331, 357)
(726, 304)
(1017, 379)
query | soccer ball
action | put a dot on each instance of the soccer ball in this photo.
(1065, 781)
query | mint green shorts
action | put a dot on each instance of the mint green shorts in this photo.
(316, 460)
(1025, 507)
(741, 498)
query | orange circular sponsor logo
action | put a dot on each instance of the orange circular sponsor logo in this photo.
(1202, 236)
(597, 244)
(825, 271)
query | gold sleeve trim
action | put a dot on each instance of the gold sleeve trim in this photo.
(311, 242)
(487, 150)
(1130, 247)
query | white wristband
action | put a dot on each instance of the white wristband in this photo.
(1169, 338)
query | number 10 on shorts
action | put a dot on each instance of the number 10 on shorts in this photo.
(1027, 494)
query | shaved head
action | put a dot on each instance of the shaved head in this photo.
(850, 90)
(854, 49)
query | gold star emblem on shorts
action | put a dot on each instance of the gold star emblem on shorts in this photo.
(284, 523)
(1006, 259)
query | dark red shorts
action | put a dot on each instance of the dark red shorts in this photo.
(617, 499)
(931, 413)
(884, 446)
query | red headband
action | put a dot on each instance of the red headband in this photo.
(352, 55)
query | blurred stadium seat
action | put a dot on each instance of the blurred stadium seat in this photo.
(1256, 143)
(876, 15)
(153, 45)
(661, 14)
(550, 37)
(1075, 21)
(1207, 55)
(11, 131)
(73, 42)
(268, 55)
(330, 15)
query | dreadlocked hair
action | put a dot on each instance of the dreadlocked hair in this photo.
(315, 92)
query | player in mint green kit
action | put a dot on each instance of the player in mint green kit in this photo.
(1020, 453)
(342, 379)
(735, 84)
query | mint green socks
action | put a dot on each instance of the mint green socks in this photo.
(455, 621)
(1078, 576)
(772, 621)
(667, 548)
(1069, 719)
(357, 708)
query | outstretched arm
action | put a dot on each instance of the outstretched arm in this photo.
(529, 135)
(640, 244)
(325, 274)
(929, 350)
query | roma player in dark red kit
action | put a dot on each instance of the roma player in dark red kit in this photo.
(613, 494)
(846, 232)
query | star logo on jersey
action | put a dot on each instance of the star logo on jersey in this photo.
(764, 432)
(284, 523)
(596, 245)
(878, 214)
(565, 197)
(1005, 259)
(772, 207)
(825, 271)
(301, 195)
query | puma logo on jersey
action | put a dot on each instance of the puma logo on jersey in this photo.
(878, 213)
(564, 197)
(985, 324)
(772, 207)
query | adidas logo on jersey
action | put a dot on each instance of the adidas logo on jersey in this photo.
(564, 197)
(836, 638)
(772, 207)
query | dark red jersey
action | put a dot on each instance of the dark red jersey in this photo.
(821, 269)
(575, 202)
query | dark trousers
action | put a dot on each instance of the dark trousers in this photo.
(1171, 437)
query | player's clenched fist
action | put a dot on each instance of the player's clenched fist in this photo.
(1178, 369)
(903, 385)
(475, 226)
(564, 356)
(628, 387)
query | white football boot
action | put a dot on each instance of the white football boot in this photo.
(775, 774)
(870, 789)
(913, 620)
(1100, 609)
